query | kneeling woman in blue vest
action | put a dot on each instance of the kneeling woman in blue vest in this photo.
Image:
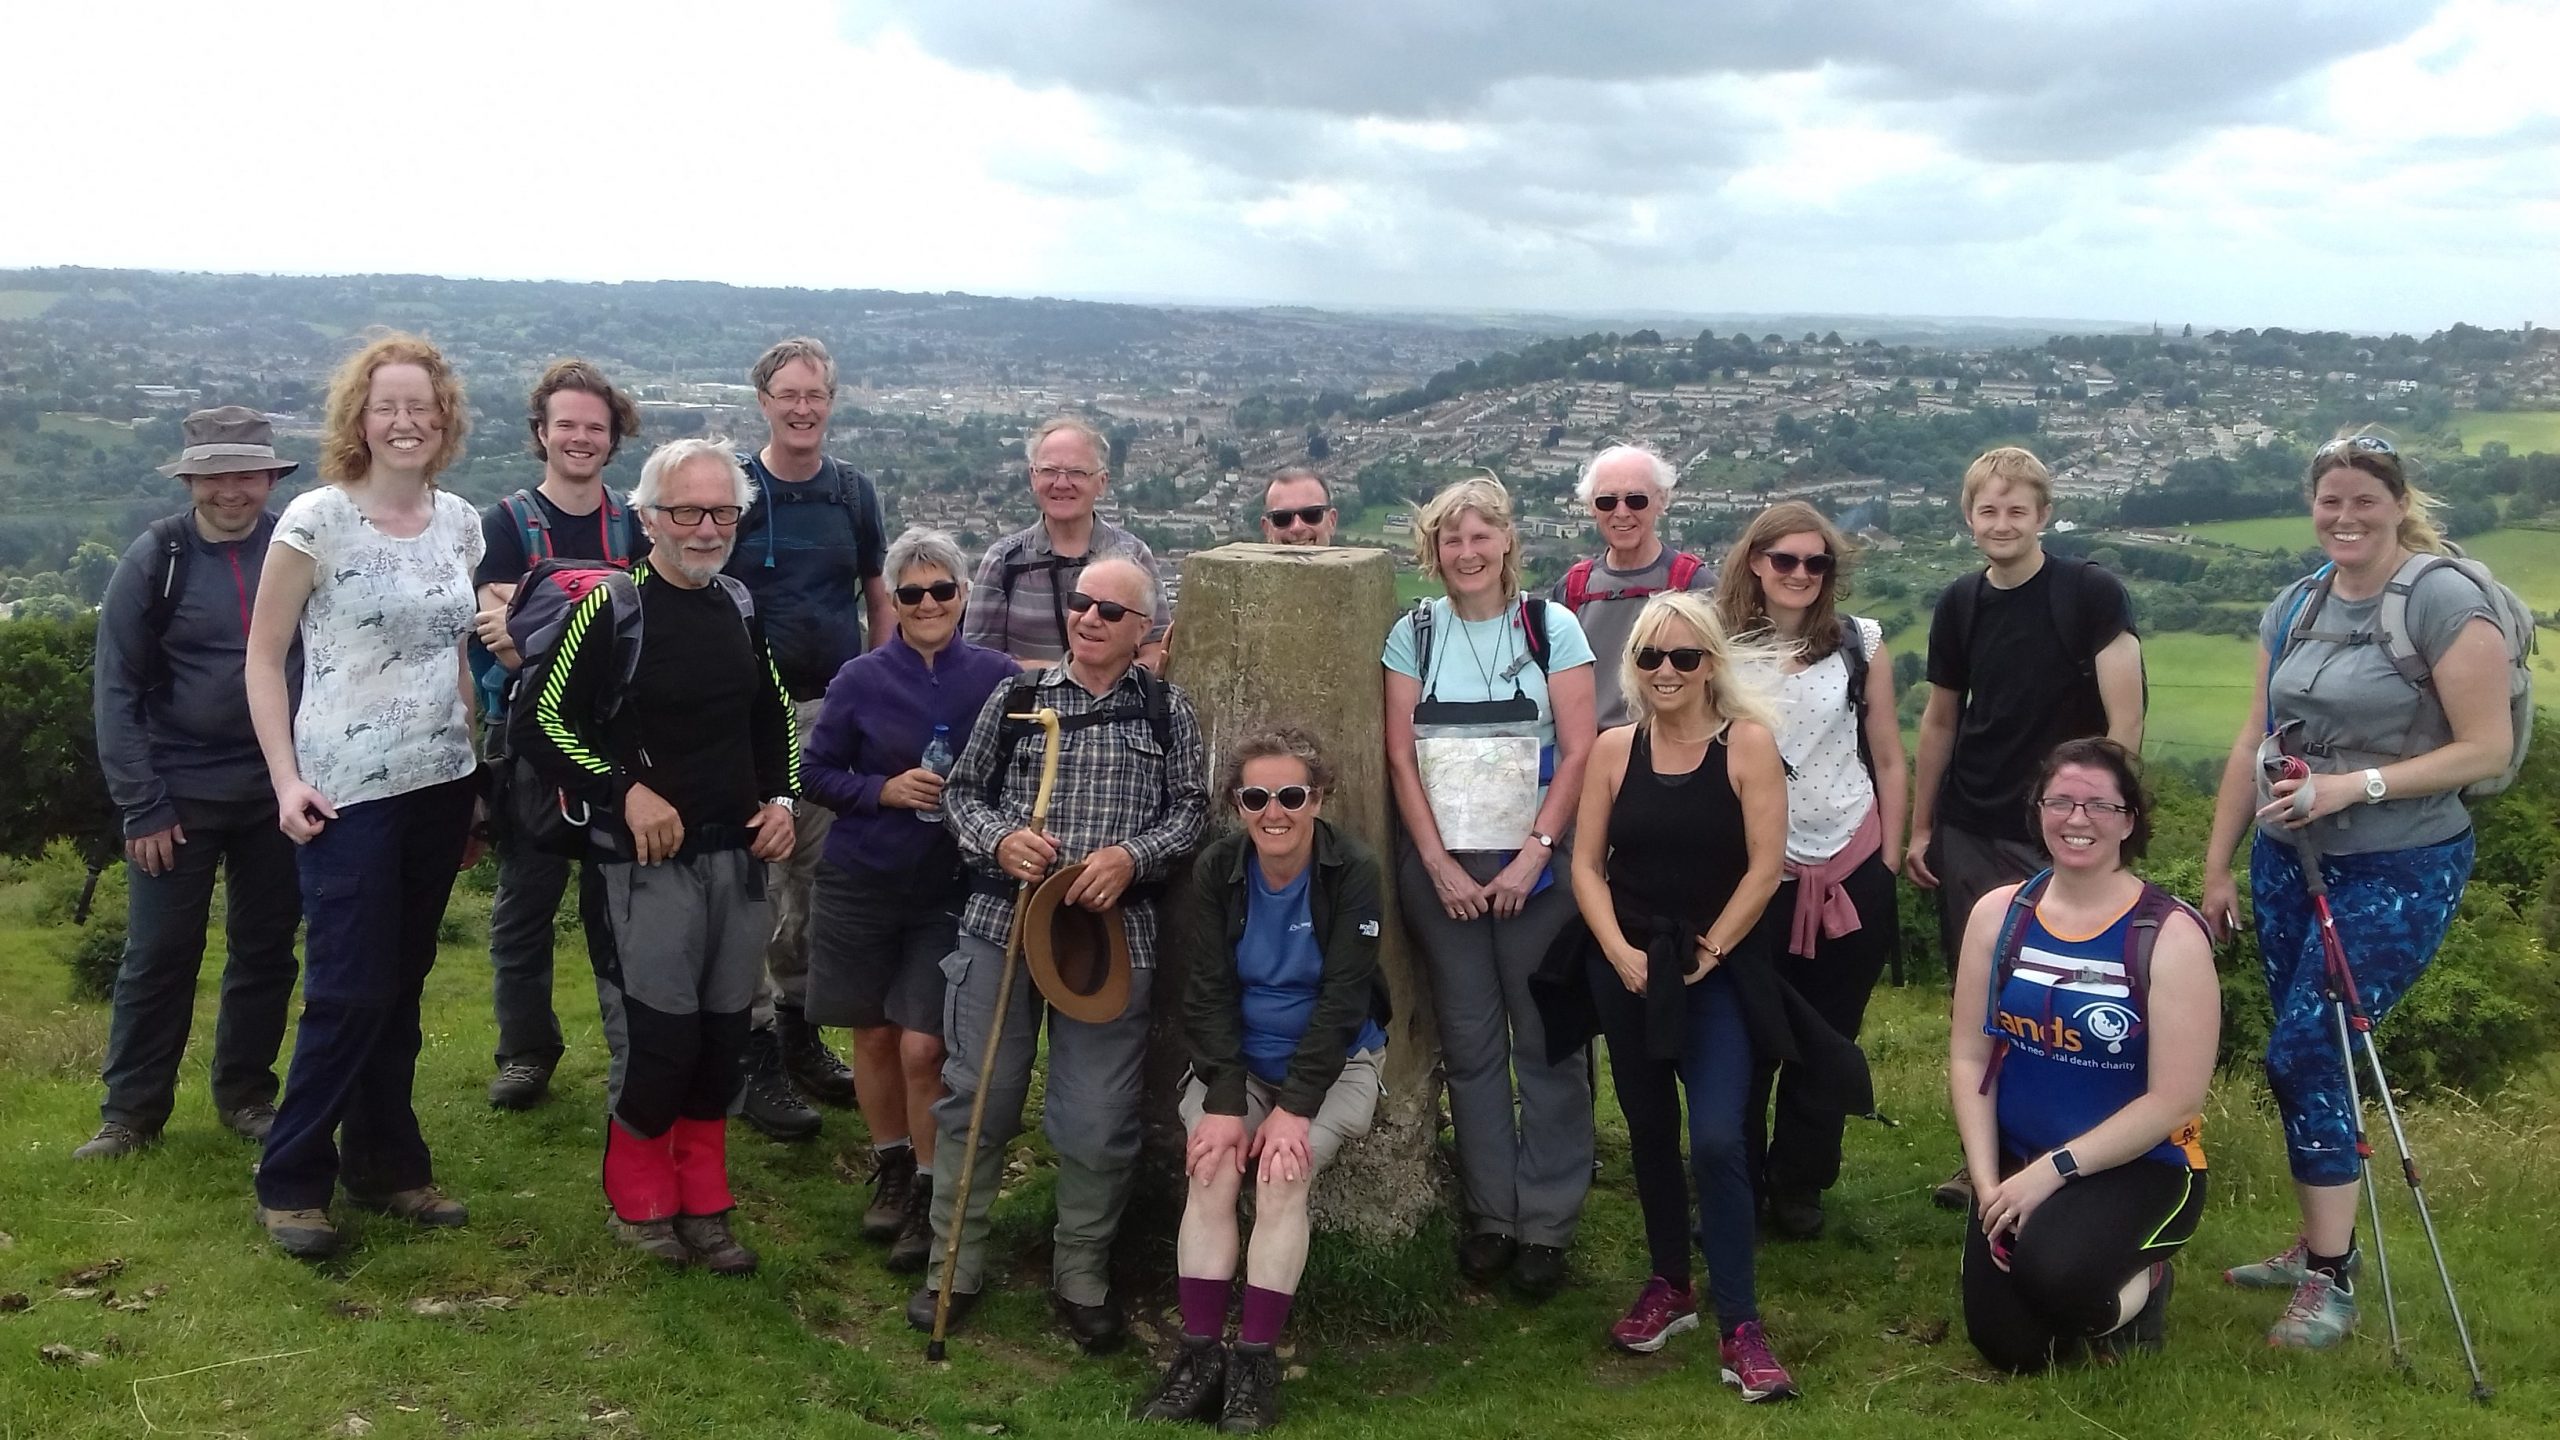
(2077, 1087)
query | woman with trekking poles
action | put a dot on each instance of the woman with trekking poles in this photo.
(1490, 720)
(1684, 827)
(372, 765)
(1847, 796)
(2383, 689)
(2086, 1020)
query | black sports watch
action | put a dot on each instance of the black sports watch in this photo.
(2068, 1167)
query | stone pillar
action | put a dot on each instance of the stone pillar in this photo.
(1267, 634)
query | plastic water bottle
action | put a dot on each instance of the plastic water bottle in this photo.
(938, 759)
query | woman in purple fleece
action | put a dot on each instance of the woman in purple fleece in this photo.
(886, 906)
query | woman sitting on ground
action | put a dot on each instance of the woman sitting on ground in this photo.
(1684, 826)
(2077, 1111)
(1283, 1024)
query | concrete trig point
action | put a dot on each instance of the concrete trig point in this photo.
(1271, 634)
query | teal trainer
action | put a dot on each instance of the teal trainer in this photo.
(2321, 1314)
(2279, 1271)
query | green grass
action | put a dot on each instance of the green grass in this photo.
(553, 1332)
(2523, 431)
(2282, 533)
(96, 429)
(2527, 560)
(27, 304)
(2200, 688)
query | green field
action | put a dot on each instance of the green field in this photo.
(26, 304)
(2274, 532)
(2200, 688)
(2522, 431)
(531, 1323)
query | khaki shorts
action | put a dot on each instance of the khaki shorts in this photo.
(1343, 1117)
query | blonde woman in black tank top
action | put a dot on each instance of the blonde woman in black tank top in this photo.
(1683, 827)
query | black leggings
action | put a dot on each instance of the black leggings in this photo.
(1800, 1153)
(2071, 1261)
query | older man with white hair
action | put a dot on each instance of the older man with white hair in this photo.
(1627, 487)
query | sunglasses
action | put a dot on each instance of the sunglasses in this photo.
(945, 591)
(1785, 564)
(1685, 659)
(1293, 798)
(2360, 444)
(1112, 610)
(1634, 501)
(1307, 515)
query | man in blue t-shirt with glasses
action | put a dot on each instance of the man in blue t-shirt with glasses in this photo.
(810, 550)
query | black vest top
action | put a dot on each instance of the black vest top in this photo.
(1677, 847)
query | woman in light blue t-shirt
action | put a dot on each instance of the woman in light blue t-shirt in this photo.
(1493, 912)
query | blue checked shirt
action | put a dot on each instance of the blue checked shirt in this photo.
(1116, 786)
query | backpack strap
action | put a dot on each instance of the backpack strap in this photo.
(2293, 627)
(1021, 698)
(2004, 963)
(1533, 625)
(532, 525)
(1577, 586)
(168, 582)
(2063, 597)
(617, 530)
(2394, 615)
(1957, 605)
(1853, 654)
(1422, 645)
(1684, 568)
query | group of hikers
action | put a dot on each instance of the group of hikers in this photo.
(822, 778)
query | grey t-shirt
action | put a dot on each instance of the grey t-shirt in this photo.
(1611, 601)
(2347, 695)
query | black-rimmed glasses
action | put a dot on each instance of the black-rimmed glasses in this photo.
(944, 591)
(1686, 659)
(2059, 808)
(722, 515)
(1293, 798)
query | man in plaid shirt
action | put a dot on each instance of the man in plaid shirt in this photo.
(1129, 801)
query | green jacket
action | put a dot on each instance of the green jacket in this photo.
(1343, 901)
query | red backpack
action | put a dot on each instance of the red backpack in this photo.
(1577, 582)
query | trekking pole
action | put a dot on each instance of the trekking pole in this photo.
(2349, 1018)
(1047, 720)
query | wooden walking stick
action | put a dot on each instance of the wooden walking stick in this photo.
(1047, 720)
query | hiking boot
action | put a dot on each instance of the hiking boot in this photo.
(1537, 1272)
(709, 1240)
(1797, 1214)
(1749, 1367)
(519, 1085)
(114, 1140)
(771, 1105)
(1661, 1311)
(251, 1121)
(812, 1066)
(914, 1247)
(302, 1234)
(2148, 1331)
(920, 1310)
(1253, 1391)
(2320, 1315)
(1955, 1192)
(425, 1205)
(1483, 1256)
(653, 1238)
(1194, 1385)
(893, 1179)
(1096, 1329)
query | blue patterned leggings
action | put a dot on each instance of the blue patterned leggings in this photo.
(2392, 908)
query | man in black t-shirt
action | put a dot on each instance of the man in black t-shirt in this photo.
(578, 420)
(695, 767)
(810, 549)
(2006, 685)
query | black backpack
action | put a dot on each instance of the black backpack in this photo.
(168, 581)
(1022, 698)
(2067, 596)
(1533, 624)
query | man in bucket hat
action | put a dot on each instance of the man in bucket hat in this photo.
(1132, 791)
(183, 766)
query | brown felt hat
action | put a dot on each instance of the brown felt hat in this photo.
(226, 440)
(1079, 958)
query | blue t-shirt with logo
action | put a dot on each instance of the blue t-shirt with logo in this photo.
(2079, 1049)
(1279, 969)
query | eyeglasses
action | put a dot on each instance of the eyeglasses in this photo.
(1307, 515)
(695, 514)
(2361, 444)
(801, 397)
(1785, 564)
(1634, 500)
(1048, 473)
(1293, 798)
(1112, 610)
(944, 591)
(1685, 659)
(2059, 808)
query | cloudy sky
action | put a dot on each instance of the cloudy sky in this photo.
(2392, 164)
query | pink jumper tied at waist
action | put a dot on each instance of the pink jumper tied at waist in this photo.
(1823, 907)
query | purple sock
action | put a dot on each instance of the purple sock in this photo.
(1265, 1311)
(1204, 1306)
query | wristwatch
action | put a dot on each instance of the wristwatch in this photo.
(2068, 1167)
(1543, 838)
(789, 806)
(2374, 789)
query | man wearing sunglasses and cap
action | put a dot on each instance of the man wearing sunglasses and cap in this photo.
(1627, 487)
(183, 767)
(1132, 793)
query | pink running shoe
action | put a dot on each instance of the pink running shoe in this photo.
(1661, 1311)
(1750, 1367)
